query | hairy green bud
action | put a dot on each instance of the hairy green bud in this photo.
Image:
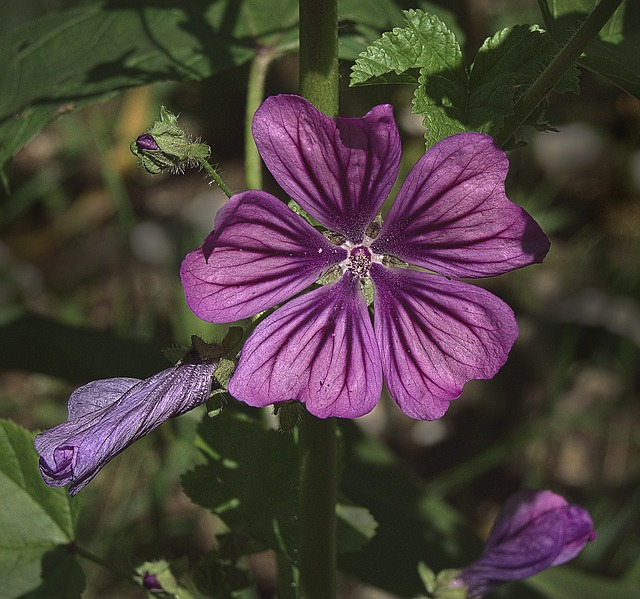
(166, 146)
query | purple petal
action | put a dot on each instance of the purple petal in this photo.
(435, 335)
(578, 531)
(259, 254)
(318, 349)
(339, 170)
(520, 509)
(107, 416)
(452, 215)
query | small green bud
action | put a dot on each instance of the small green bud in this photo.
(166, 146)
(289, 414)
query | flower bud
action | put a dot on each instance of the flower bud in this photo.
(534, 530)
(166, 146)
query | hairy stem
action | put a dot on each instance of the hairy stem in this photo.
(215, 176)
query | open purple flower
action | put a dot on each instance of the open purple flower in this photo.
(108, 415)
(432, 334)
(533, 531)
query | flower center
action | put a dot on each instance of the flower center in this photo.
(359, 261)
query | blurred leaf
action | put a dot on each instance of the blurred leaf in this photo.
(35, 521)
(62, 577)
(615, 54)
(413, 527)
(36, 344)
(450, 98)
(67, 59)
(356, 527)
(563, 582)
(251, 482)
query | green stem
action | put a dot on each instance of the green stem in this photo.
(317, 552)
(317, 438)
(126, 575)
(215, 176)
(319, 54)
(255, 95)
(557, 68)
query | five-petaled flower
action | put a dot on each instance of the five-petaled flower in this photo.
(534, 530)
(108, 415)
(431, 333)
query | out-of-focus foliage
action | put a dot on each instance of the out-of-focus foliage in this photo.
(89, 257)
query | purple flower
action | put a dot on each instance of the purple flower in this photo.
(431, 333)
(107, 416)
(533, 531)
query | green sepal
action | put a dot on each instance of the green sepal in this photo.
(368, 290)
(304, 214)
(289, 414)
(161, 569)
(175, 149)
(439, 586)
(330, 276)
(224, 372)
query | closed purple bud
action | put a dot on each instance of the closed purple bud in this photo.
(146, 142)
(150, 582)
(534, 530)
(107, 416)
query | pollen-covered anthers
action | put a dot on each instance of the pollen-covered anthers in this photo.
(359, 262)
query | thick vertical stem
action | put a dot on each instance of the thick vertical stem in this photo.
(317, 557)
(319, 54)
(317, 439)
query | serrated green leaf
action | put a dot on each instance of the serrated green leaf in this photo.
(34, 520)
(506, 65)
(450, 98)
(615, 54)
(425, 43)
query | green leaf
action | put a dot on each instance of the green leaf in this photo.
(450, 98)
(250, 481)
(615, 54)
(505, 66)
(35, 519)
(69, 59)
(425, 43)
(563, 582)
(62, 577)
